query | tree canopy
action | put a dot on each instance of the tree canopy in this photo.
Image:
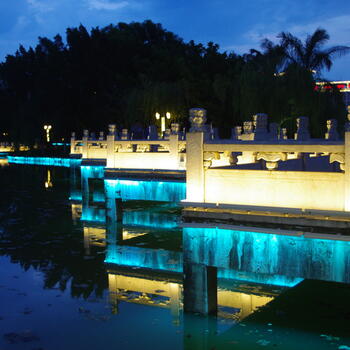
(125, 73)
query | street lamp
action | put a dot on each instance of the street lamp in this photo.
(162, 120)
(47, 128)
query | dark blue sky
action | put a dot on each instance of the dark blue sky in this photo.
(236, 25)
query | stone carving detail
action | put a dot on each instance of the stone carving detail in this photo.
(211, 155)
(124, 134)
(272, 158)
(332, 133)
(338, 157)
(124, 147)
(247, 131)
(208, 157)
(247, 127)
(182, 147)
(302, 133)
(236, 132)
(111, 129)
(166, 134)
(283, 134)
(207, 164)
(233, 157)
(175, 128)
(143, 148)
(260, 126)
(198, 118)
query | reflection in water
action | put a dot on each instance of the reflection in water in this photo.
(48, 182)
(138, 266)
(3, 162)
(235, 302)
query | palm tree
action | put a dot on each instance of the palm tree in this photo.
(310, 55)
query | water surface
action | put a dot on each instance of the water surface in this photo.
(72, 278)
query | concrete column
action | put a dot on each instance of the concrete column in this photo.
(91, 190)
(174, 151)
(194, 167)
(200, 288)
(85, 144)
(114, 227)
(85, 190)
(110, 151)
(119, 210)
(113, 290)
(110, 202)
(347, 171)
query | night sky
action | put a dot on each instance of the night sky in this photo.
(236, 25)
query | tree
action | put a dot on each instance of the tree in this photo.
(310, 55)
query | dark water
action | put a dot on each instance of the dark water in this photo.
(68, 283)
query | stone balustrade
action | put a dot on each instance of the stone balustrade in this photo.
(200, 150)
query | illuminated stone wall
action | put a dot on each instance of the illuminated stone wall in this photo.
(267, 254)
(293, 189)
(146, 160)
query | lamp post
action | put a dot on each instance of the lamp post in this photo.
(162, 121)
(47, 128)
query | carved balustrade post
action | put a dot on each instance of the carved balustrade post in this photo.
(85, 144)
(260, 126)
(110, 145)
(236, 132)
(332, 132)
(283, 134)
(194, 155)
(302, 133)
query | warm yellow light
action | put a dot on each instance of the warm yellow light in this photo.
(48, 182)
(168, 115)
(47, 128)
(157, 116)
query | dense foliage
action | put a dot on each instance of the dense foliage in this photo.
(125, 73)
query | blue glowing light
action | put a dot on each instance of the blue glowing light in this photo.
(147, 190)
(62, 162)
(89, 171)
(75, 196)
(142, 218)
(155, 259)
(271, 255)
(248, 256)
(93, 214)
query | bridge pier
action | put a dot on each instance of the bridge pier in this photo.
(200, 289)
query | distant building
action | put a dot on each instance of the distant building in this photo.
(343, 86)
